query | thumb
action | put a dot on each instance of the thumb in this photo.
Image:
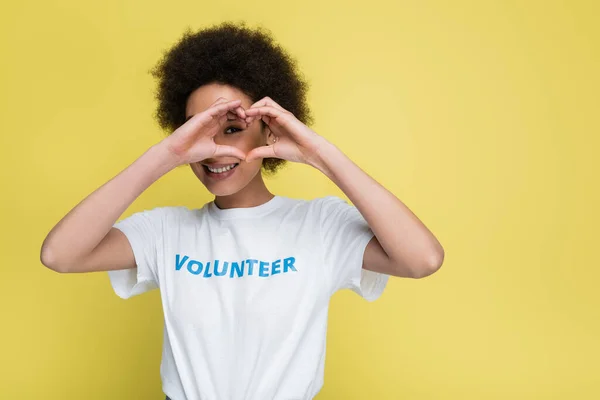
(261, 152)
(231, 151)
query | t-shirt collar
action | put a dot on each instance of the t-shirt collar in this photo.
(245, 212)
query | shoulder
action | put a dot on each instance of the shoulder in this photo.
(328, 203)
(165, 211)
(315, 202)
(317, 207)
(163, 215)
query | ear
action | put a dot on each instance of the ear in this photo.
(269, 136)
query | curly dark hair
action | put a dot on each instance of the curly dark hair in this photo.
(232, 54)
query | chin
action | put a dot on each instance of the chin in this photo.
(223, 189)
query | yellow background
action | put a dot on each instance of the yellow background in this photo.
(481, 116)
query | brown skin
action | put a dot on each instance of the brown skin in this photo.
(85, 239)
(245, 188)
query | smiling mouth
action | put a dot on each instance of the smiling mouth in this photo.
(220, 170)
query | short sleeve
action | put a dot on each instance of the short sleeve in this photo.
(345, 235)
(144, 230)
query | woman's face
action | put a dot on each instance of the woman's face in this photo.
(234, 133)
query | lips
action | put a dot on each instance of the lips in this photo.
(214, 168)
(219, 171)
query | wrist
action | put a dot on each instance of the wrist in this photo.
(165, 159)
(325, 152)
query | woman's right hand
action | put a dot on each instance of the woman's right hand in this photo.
(194, 140)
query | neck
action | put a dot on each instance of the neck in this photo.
(253, 194)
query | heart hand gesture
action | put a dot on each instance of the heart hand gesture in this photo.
(194, 140)
(292, 140)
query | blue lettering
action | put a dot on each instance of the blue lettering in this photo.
(207, 273)
(263, 270)
(251, 265)
(235, 269)
(225, 266)
(275, 267)
(178, 263)
(194, 271)
(289, 263)
(239, 269)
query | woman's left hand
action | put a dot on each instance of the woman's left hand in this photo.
(291, 140)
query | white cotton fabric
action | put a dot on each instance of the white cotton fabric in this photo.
(245, 292)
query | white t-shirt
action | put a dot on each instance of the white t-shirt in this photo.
(245, 292)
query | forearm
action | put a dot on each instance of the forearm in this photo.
(404, 238)
(82, 229)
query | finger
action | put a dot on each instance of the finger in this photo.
(237, 112)
(267, 101)
(241, 113)
(223, 119)
(266, 110)
(218, 109)
(270, 115)
(229, 151)
(264, 102)
(221, 109)
(219, 100)
(217, 112)
(261, 152)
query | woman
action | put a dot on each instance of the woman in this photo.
(246, 280)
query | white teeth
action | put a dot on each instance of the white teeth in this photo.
(220, 170)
